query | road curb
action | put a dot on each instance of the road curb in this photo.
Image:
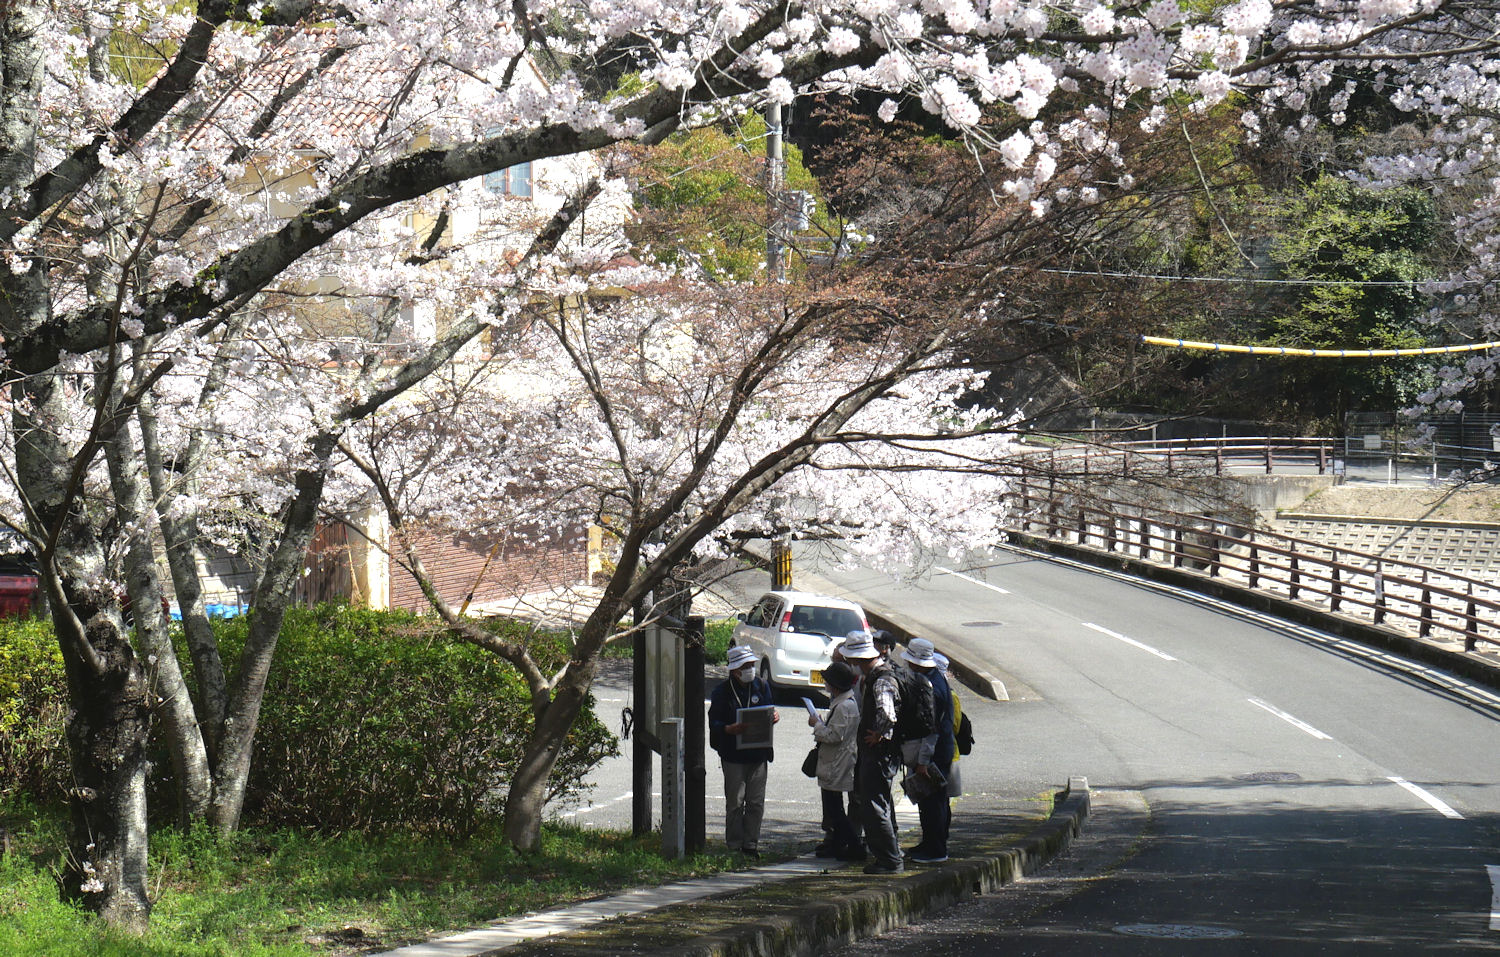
(893, 901)
(979, 681)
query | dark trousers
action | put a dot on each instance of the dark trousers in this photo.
(841, 837)
(936, 814)
(877, 813)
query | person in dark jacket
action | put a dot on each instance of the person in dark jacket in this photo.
(744, 768)
(934, 756)
(878, 757)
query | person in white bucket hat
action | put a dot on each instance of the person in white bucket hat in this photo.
(933, 755)
(744, 767)
(877, 760)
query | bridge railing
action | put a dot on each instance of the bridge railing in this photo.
(1320, 454)
(1428, 602)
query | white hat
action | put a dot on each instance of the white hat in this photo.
(739, 657)
(941, 660)
(858, 645)
(919, 652)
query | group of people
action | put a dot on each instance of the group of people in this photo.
(890, 713)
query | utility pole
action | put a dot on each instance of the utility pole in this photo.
(781, 546)
(775, 208)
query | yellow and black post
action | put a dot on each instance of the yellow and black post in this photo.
(781, 564)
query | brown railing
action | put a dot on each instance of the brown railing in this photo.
(1427, 601)
(1199, 456)
(1384, 461)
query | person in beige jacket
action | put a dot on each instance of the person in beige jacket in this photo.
(837, 743)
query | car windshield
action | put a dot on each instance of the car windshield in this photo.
(826, 621)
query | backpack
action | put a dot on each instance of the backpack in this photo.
(964, 739)
(915, 711)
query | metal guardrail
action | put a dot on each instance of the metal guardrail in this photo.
(1411, 597)
(1196, 455)
(1236, 454)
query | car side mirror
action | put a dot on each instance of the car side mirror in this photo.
(740, 617)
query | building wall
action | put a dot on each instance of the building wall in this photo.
(519, 566)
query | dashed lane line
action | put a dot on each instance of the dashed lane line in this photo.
(1494, 870)
(973, 581)
(1294, 722)
(1129, 641)
(1427, 797)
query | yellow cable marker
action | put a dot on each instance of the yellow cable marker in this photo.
(1315, 353)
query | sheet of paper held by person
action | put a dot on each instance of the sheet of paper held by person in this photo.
(812, 710)
(758, 723)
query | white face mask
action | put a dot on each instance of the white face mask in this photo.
(746, 674)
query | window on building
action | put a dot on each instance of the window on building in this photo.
(514, 181)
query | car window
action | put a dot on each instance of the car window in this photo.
(763, 613)
(827, 621)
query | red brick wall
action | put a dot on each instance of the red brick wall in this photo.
(524, 563)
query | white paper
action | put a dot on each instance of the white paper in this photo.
(812, 710)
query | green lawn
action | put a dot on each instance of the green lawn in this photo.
(291, 893)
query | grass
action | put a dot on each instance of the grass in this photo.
(716, 635)
(294, 894)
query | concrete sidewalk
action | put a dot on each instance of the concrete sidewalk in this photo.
(804, 906)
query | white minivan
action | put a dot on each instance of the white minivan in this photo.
(794, 634)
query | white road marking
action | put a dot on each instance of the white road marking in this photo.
(972, 581)
(595, 806)
(1129, 641)
(1441, 679)
(1300, 725)
(1427, 798)
(1494, 895)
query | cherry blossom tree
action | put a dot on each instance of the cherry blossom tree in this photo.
(678, 419)
(200, 190)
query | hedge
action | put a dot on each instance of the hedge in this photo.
(371, 721)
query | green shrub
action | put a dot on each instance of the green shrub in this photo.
(716, 635)
(374, 720)
(33, 707)
(371, 721)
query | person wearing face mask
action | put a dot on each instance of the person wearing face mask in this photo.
(744, 768)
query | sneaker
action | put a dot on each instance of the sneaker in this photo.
(928, 858)
(879, 868)
(825, 850)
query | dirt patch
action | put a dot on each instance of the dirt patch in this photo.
(1461, 503)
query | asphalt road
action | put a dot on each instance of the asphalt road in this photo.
(1261, 791)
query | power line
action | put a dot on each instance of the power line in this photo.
(1237, 280)
(1314, 353)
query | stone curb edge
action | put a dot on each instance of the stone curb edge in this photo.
(816, 927)
(979, 681)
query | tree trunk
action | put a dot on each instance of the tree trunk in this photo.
(273, 595)
(179, 718)
(528, 786)
(109, 723)
(107, 733)
(180, 536)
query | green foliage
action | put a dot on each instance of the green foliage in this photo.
(374, 720)
(33, 706)
(705, 198)
(1335, 231)
(716, 635)
(371, 721)
(279, 893)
